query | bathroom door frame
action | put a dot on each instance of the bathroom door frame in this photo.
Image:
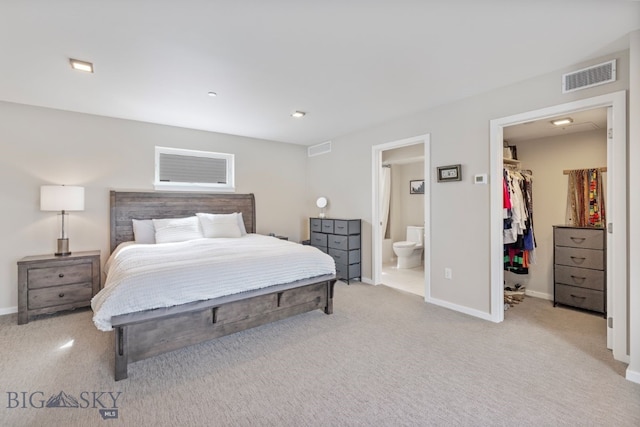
(617, 249)
(376, 228)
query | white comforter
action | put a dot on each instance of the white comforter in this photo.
(141, 277)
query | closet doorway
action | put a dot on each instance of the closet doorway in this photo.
(613, 105)
(410, 154)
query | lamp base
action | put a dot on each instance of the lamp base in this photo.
(63, 248)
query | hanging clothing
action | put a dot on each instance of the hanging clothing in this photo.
(585, 199)
(518, 236)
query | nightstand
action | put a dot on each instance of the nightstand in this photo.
(48, 283)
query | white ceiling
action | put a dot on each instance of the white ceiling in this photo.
(583, 121)
(349, 64)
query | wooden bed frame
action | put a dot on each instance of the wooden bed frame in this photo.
(148, 333)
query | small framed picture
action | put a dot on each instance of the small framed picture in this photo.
(449, 173)
(416, 186)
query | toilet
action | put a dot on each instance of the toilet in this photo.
(409, 252)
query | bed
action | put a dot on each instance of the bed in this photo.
(146, 333)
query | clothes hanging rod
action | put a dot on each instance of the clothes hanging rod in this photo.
(568, 171)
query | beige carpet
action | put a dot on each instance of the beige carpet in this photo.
(384, 358)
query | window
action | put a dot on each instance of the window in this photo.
(179, 169)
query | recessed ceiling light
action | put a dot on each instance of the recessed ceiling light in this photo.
(561, 122)
(298, 114)
(212, 94)
(76, 64)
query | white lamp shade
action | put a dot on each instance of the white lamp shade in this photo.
(61, 198)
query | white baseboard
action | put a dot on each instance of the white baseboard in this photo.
(633, 376)
(538, 295)
(459, 308)
(366, 280)
(8, 310)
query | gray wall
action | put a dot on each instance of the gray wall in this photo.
(45, 146)
(460, 211)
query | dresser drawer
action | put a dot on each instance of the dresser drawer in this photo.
(345, 257)
(319, 240)
(59, 275)
(587, 299)
(347, 272)
(316, 225)
(583, 258)
(336, 241)
(59, 295)
(327, 226)
(579, 238)
(341, 226)
(581, 277)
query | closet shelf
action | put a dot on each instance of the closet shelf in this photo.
(510, 161)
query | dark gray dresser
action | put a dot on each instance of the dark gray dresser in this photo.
(340, 238)
(579, 273)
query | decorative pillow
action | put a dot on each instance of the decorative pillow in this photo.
(177, 229)
(220, 225)
(144, 231)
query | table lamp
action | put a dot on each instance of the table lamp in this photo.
(62, 198)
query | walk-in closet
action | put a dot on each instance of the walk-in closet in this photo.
(555, 210)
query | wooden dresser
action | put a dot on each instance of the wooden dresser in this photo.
(49, 283)
(340, 238)
(579, 273)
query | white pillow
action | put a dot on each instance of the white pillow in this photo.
(144, 231)
(220, 225)
(177, 229)
(243, 229)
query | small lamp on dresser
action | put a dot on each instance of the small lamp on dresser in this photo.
(62, 198)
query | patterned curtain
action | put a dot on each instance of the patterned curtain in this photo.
(585, 199)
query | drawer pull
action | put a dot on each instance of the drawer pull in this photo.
(61, 275)
(578, 278)
(578, 259)
(340, 227)
(61, 294)
(577, 239)
(578, 296)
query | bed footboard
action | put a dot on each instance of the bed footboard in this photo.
(152, 332)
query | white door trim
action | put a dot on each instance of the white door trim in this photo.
(616, 208)
(376, 232)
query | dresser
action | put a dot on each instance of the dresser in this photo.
(340, 238)
(49, 283)
(579, 271)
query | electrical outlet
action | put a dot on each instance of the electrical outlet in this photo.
(447, 273)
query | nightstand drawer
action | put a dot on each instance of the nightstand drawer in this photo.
(59, 295)
(60, 275)
(587, 299)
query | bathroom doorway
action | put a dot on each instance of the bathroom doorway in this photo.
(401, 189)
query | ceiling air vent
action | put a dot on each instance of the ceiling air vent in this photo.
(316, 150)
(589, 77)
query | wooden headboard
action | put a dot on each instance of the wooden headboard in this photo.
(128, 205)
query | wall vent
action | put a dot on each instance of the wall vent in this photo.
(316, 150)
(589, 77)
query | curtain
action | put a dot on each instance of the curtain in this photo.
(385, 198)
(585, 199)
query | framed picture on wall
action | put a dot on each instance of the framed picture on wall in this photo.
(416, 186)
(449, 173)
